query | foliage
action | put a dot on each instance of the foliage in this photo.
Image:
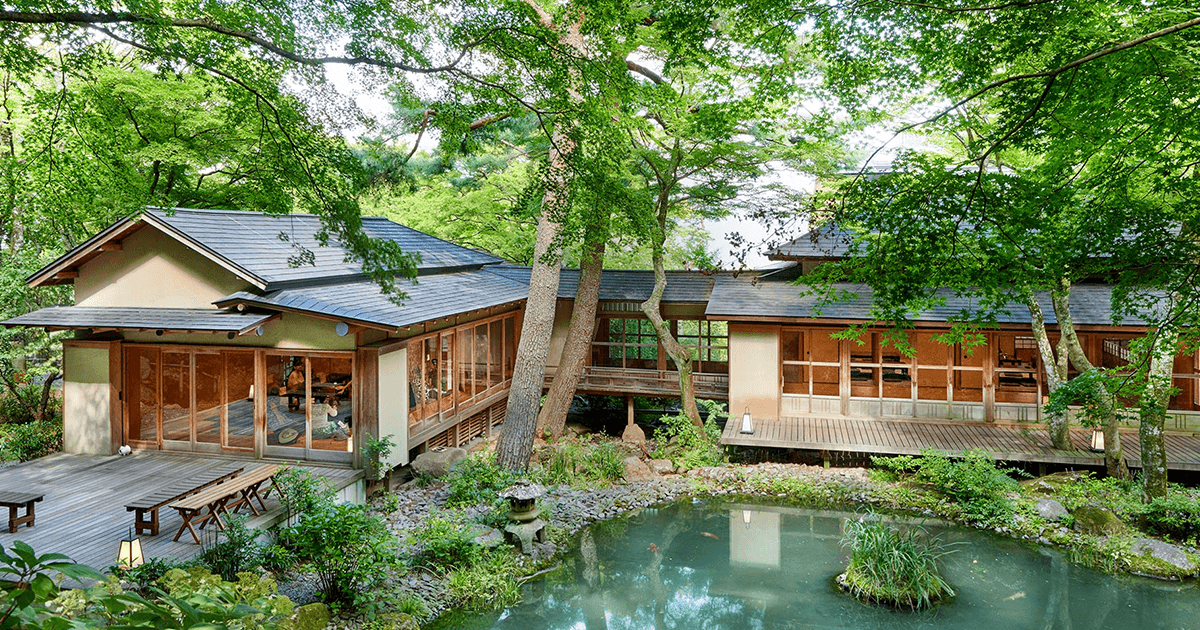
(476, 479)
(302, 491)
(1176, 515)
(974, 482)
(375, 451)
(581, 461)
(893, 567)
(146, 575)
(23, 442)
(444, 544)
(350, 550)
(687, 445)
(237, 550)
(488, 584)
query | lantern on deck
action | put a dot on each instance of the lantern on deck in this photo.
(747, 424)
(130, 554)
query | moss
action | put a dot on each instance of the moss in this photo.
(1051, 485)
(307, 617)
(1097, 521)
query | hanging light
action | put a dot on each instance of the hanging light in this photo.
(747, 425)
(1097, 442)
(130, 554)
(746, 518)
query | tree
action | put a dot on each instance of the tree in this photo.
(1087, 110)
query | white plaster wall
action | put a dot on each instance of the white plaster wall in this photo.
(393, 403)
(754, 373)
(87, 428)
(154, 270)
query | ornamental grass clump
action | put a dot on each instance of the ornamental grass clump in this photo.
(892, 567)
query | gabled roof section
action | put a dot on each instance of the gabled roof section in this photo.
(823, 242)
(625, 285)
(750, 298)
(127, 318)
(260, 248)
(361, 302)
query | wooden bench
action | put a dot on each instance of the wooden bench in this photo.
(149, 504)
(209, 504)
(15, 501)
(251, 483)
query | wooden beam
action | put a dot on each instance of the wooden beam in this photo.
(64, 275)
(111, 246)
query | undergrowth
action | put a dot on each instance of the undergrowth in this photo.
(893, 567)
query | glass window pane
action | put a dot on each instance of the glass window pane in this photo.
(332, 403)
(177, 396)
(287, 409)
(790, 345)
(510, 345)
(141, 394)
(239, 397)
(496, 358)
(210, 381)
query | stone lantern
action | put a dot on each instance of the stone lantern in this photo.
(524, 526)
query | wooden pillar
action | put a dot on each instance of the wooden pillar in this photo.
(260, 402)
(989, 378)
(629, 410)
(844, 375)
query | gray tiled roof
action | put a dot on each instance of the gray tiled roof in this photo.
(128, 318)
(737, 298)
(430, 297)
(250, 242)
(825, 241)
(626, 285)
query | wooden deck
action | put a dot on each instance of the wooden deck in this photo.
(1011, 442)
(655, 383)
(84, 516)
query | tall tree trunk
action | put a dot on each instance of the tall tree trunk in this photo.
(1154, 403)
(1114, 457)
(680, 355)
(1055, 370)
(529, 373)
(583, 328)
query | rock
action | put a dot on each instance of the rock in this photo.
(1096, 521)
(1162, 551)
(633, 434)
(398, 621)
(485, 536)
(662, 466)
(578, 429)
(1051, 510)
(437, 461)
(1050, 484)
(307, 617)
(637, 470)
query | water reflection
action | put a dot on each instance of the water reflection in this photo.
(724, 567)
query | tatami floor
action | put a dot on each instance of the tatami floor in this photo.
(83, 514)
(1005, 441)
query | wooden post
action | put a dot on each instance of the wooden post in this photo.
(844, 375)
(989, 379)
(629, 410)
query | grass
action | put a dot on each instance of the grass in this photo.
(893, 567)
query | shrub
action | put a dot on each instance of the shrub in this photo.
(687, 445)
(573, 462)
(974, 482)
(1176, 515)
(604, 461)
(492, 583)
(441, 543)
(237, 550)
(476, 480)
(892, 567)
(23, 442)
(23, 406)
(147, 574)
(302, 491)
(349, 549)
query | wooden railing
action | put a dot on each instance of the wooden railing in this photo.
(665, 383)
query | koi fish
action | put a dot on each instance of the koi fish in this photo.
(710, 535)
(1014, 596)
(653, 548)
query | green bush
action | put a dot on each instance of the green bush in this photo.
(147, 574)
(350, 550)
(604, 461)
(1176, 515)
(21, 407)
(236, 550)
(687, 445)
(23, 442)
(443, 544)
(893, 567)
(476, 480)
(492, 583)
(303, 491)
(974, 482)
(574, 462)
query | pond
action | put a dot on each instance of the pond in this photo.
(721, 566)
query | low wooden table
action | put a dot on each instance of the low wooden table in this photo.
(149, 504)
(209, 504)
(15, 501)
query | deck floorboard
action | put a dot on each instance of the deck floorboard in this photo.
(904, 436)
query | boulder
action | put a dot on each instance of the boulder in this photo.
(437, 461)
(1096, 521)
(1049, 485)
(662, 466)
(485, 536)
(1165, 552)
(307, 617)
(637, 470)
(1051, 510)
(633, 434)
(575, 428)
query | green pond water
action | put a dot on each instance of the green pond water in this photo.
(731, 566)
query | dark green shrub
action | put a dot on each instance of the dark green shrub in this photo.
(892, 567)
(350, 550)
(22, 407)
(147, 574)
(442, 544)
(604, 461)
(1176, 515)
(277, 559)
(476, 480)
(302, 491)
(23, 442)
(687, 445)
(236, 550)
(974, 482)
